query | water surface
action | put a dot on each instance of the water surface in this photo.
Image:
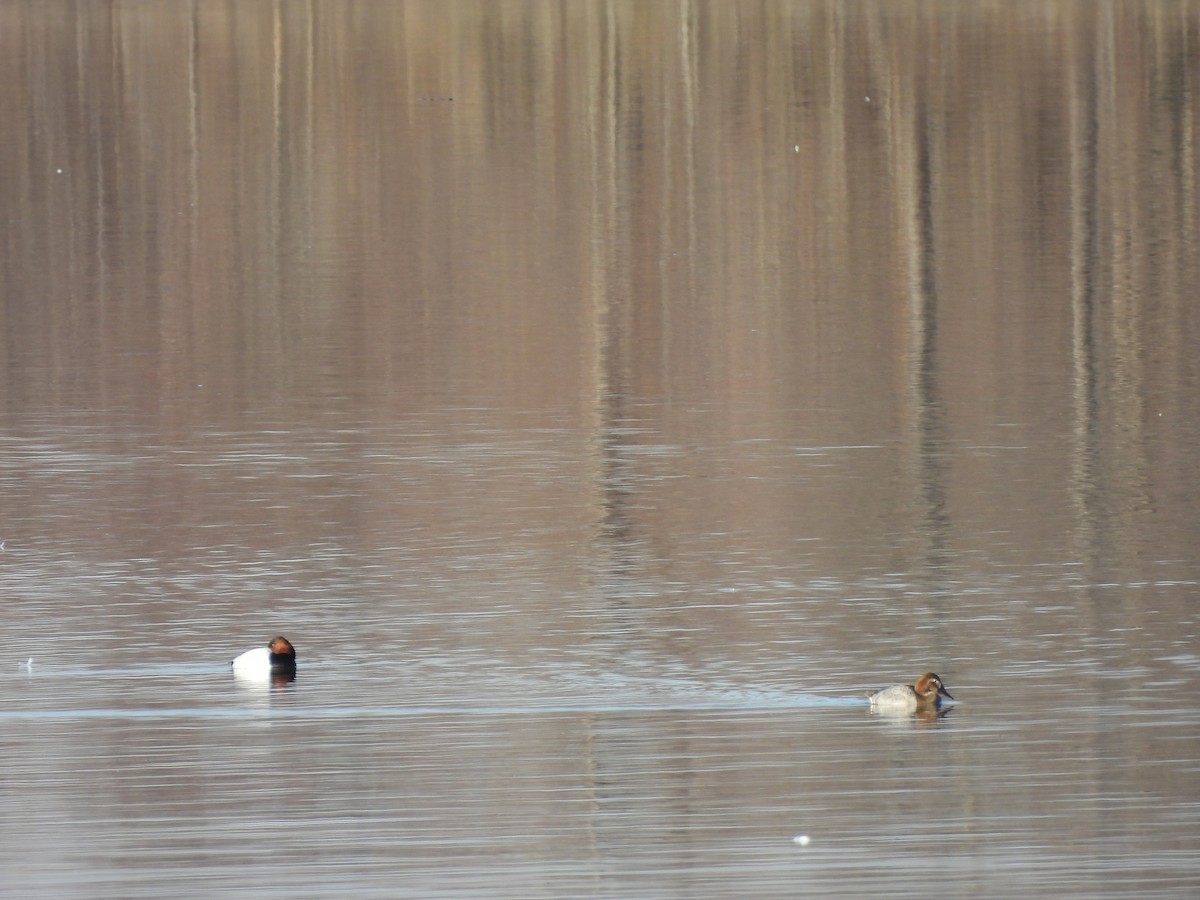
(603, 398)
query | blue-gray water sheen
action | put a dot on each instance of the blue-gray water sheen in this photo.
(603, 398)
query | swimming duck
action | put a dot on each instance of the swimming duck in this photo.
(276, 659)
(924, 695)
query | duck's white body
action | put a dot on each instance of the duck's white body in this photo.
(253, 662)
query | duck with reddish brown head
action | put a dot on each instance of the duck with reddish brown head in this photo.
(276, 661)
(924, 695)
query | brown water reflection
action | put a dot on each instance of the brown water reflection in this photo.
(620, 387)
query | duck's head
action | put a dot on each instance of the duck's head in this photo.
(929, 688)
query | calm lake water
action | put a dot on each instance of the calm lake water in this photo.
(602, 397)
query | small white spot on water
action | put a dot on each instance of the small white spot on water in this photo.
(801, 840)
